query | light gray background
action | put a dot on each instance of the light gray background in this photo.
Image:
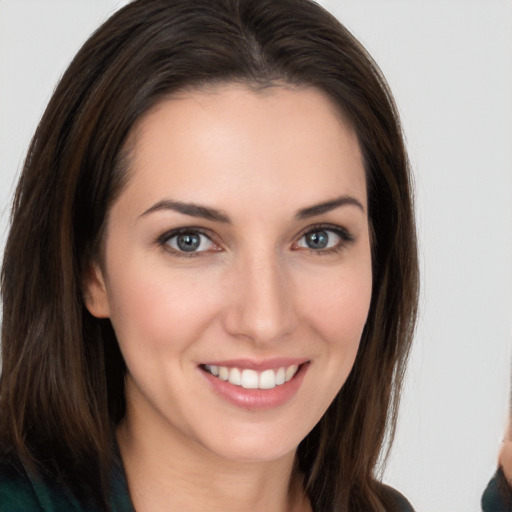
(449, 64)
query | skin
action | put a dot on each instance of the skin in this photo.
(255, 290)
(505, 456)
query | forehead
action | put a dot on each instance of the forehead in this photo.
(216, 141)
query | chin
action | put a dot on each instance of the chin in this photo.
(249, 445)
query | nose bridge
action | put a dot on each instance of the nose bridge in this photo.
(262, 308)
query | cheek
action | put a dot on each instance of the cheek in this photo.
(155, 310)
(338, 307)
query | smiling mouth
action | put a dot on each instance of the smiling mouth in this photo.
(252, 379)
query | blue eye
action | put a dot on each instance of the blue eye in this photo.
(318, 239)
(189, 242)
(324, 239)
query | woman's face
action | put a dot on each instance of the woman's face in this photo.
(236, 268)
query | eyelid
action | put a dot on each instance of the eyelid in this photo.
(163, 240)
(345, 235)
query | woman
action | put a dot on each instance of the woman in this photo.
(210, 282)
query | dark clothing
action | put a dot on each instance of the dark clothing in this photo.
(400, 502)
(22, 492)
(497, 496)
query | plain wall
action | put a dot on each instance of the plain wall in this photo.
(450, 67)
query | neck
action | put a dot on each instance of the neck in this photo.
(169, 471)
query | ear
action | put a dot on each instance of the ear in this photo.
(95, 292)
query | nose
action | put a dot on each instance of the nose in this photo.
(261, 304)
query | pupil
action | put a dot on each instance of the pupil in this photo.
(188, 243)
(317, 240)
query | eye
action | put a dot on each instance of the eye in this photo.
(187, 242)
(319, 239)
(324, 239)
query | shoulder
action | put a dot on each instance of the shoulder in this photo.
(394, 500)
(497, 497)
(16, 490)
(23, 491)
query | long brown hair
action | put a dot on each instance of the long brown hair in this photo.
(62, 385)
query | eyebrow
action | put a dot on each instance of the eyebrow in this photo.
(191, 209)
(327, 206)
(205, 212)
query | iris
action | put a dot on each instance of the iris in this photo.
(188, 242)
(317, 239)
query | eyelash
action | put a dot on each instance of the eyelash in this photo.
(164, 240)
(346, 238)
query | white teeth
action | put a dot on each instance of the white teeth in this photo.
(290, 372)
(235, 377)
(267, 379)
(251, 379)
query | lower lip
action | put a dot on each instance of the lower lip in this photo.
(257, 399)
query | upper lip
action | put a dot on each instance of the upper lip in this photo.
(261, 365)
